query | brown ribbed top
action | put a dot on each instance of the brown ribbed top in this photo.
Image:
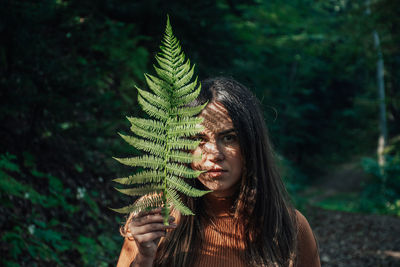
(223, 244)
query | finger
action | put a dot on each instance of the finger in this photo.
(145, 213)
(152, 227)
(130, 236)
(149, 212)
(148, 237)
(151, 218)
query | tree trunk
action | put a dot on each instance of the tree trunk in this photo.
(382, 104)
(382, 140)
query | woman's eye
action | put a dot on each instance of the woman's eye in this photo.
(229, 138)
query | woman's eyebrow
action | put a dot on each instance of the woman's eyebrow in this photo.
(227, 131)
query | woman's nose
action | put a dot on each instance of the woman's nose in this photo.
(213, 152)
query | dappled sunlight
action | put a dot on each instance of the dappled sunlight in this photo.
(215, 116)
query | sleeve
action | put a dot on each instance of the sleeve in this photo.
(128, 253)
(307, 249)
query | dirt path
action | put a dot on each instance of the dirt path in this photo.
(351, 239)
(344, 179)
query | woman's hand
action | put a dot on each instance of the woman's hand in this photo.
(146, 228)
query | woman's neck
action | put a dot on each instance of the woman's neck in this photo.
(218, 206)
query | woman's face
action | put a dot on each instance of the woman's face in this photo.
(221, 157)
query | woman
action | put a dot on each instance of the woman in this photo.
(247, 219)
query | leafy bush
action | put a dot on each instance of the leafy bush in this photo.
(294, 180)
(381, 194)
(40, 224)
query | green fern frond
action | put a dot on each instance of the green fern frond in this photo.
(158, 86)
(179, 61)
(167, 136)
(149, 202)
(152, 110)
(145, 203)
(190, 121)
(190, 111)
(176, 49)
(140, 191)
(183, 157)
(174, 199)
(184, 69)
(185, 78)
(152, 125)
(184, 130)
(154, 100)
(182, 170)
(179, 185)
(173, 45)
(146, 161)
(165, 75)
(126, 209)
(141, 178)
(189, 97)
(186, 89)
(153, 148)
(184, 144)
(165, 64)
(154, 136)
(149, 129)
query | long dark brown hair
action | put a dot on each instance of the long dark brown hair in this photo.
(262, 207)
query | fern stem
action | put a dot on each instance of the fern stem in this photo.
(165, 209)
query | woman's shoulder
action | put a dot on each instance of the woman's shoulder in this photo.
(302, 222)
(304, 232)
(307, 248)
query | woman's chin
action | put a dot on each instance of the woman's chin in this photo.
(221, 191)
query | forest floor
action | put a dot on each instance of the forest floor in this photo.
(347, 238)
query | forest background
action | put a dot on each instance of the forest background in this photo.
(68, 70)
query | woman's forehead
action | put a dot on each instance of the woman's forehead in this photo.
(216, 118)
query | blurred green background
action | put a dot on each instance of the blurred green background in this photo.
(68, 70)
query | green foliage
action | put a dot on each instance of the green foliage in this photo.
(47, 239)
(293, 179)
(381, 194)
(165, 137)
(317, 76)
(348, 202)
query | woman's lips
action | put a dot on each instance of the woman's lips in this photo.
(215, 172)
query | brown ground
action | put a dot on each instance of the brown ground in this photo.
(351, 239)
